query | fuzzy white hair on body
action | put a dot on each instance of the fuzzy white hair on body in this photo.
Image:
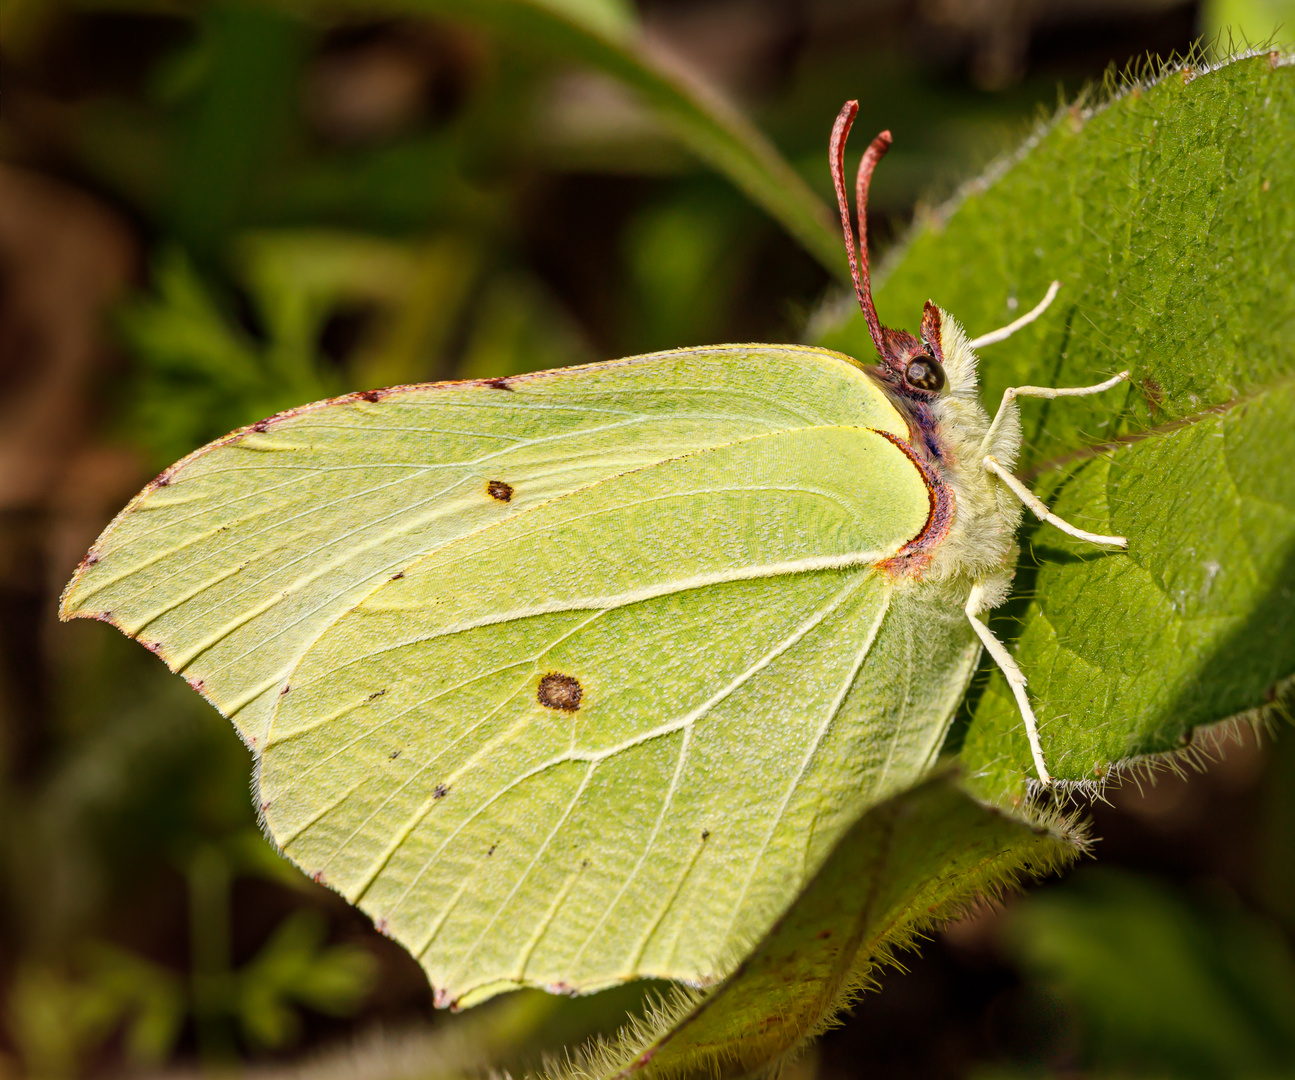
(966, 458)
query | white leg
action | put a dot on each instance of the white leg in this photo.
(1013, 392)
(1003, 333)
(1014, 678)
(1043, 513)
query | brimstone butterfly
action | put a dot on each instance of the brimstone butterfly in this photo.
(575, 677)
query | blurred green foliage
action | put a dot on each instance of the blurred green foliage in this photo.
(260, 202)
(1164, 983)
(1251, 21)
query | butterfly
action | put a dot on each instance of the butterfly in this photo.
(574, 677)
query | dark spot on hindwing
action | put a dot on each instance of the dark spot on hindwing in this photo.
(497, 489)
(561, 692)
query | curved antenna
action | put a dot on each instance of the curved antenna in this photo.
(858, 262)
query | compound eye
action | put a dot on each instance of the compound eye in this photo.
(924, 373)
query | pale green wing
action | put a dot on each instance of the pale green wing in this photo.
(748, 684)
(233, 562)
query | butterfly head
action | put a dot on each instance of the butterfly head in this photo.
(916, 370)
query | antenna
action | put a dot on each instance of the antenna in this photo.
(858, 261)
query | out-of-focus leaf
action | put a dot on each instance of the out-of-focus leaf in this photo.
(604, 35)
(295, 968)
(411, 292)
(517, 326)
(684, 258)
(57, 1018)
(1250, 21)
(150, 997)
(199, 372)
(202, 373)
(1160, 985)
(241, 117)
(1169, 216)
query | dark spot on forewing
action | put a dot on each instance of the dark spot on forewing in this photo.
(561, 692)
(497, 489)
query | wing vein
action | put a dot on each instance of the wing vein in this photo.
(821, 732)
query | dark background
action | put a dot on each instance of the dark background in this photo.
(208, 213)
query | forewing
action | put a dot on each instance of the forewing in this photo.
(718, 614)
(233, 562)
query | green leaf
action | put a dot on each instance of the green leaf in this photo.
(1168, 213)
(603, 34)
